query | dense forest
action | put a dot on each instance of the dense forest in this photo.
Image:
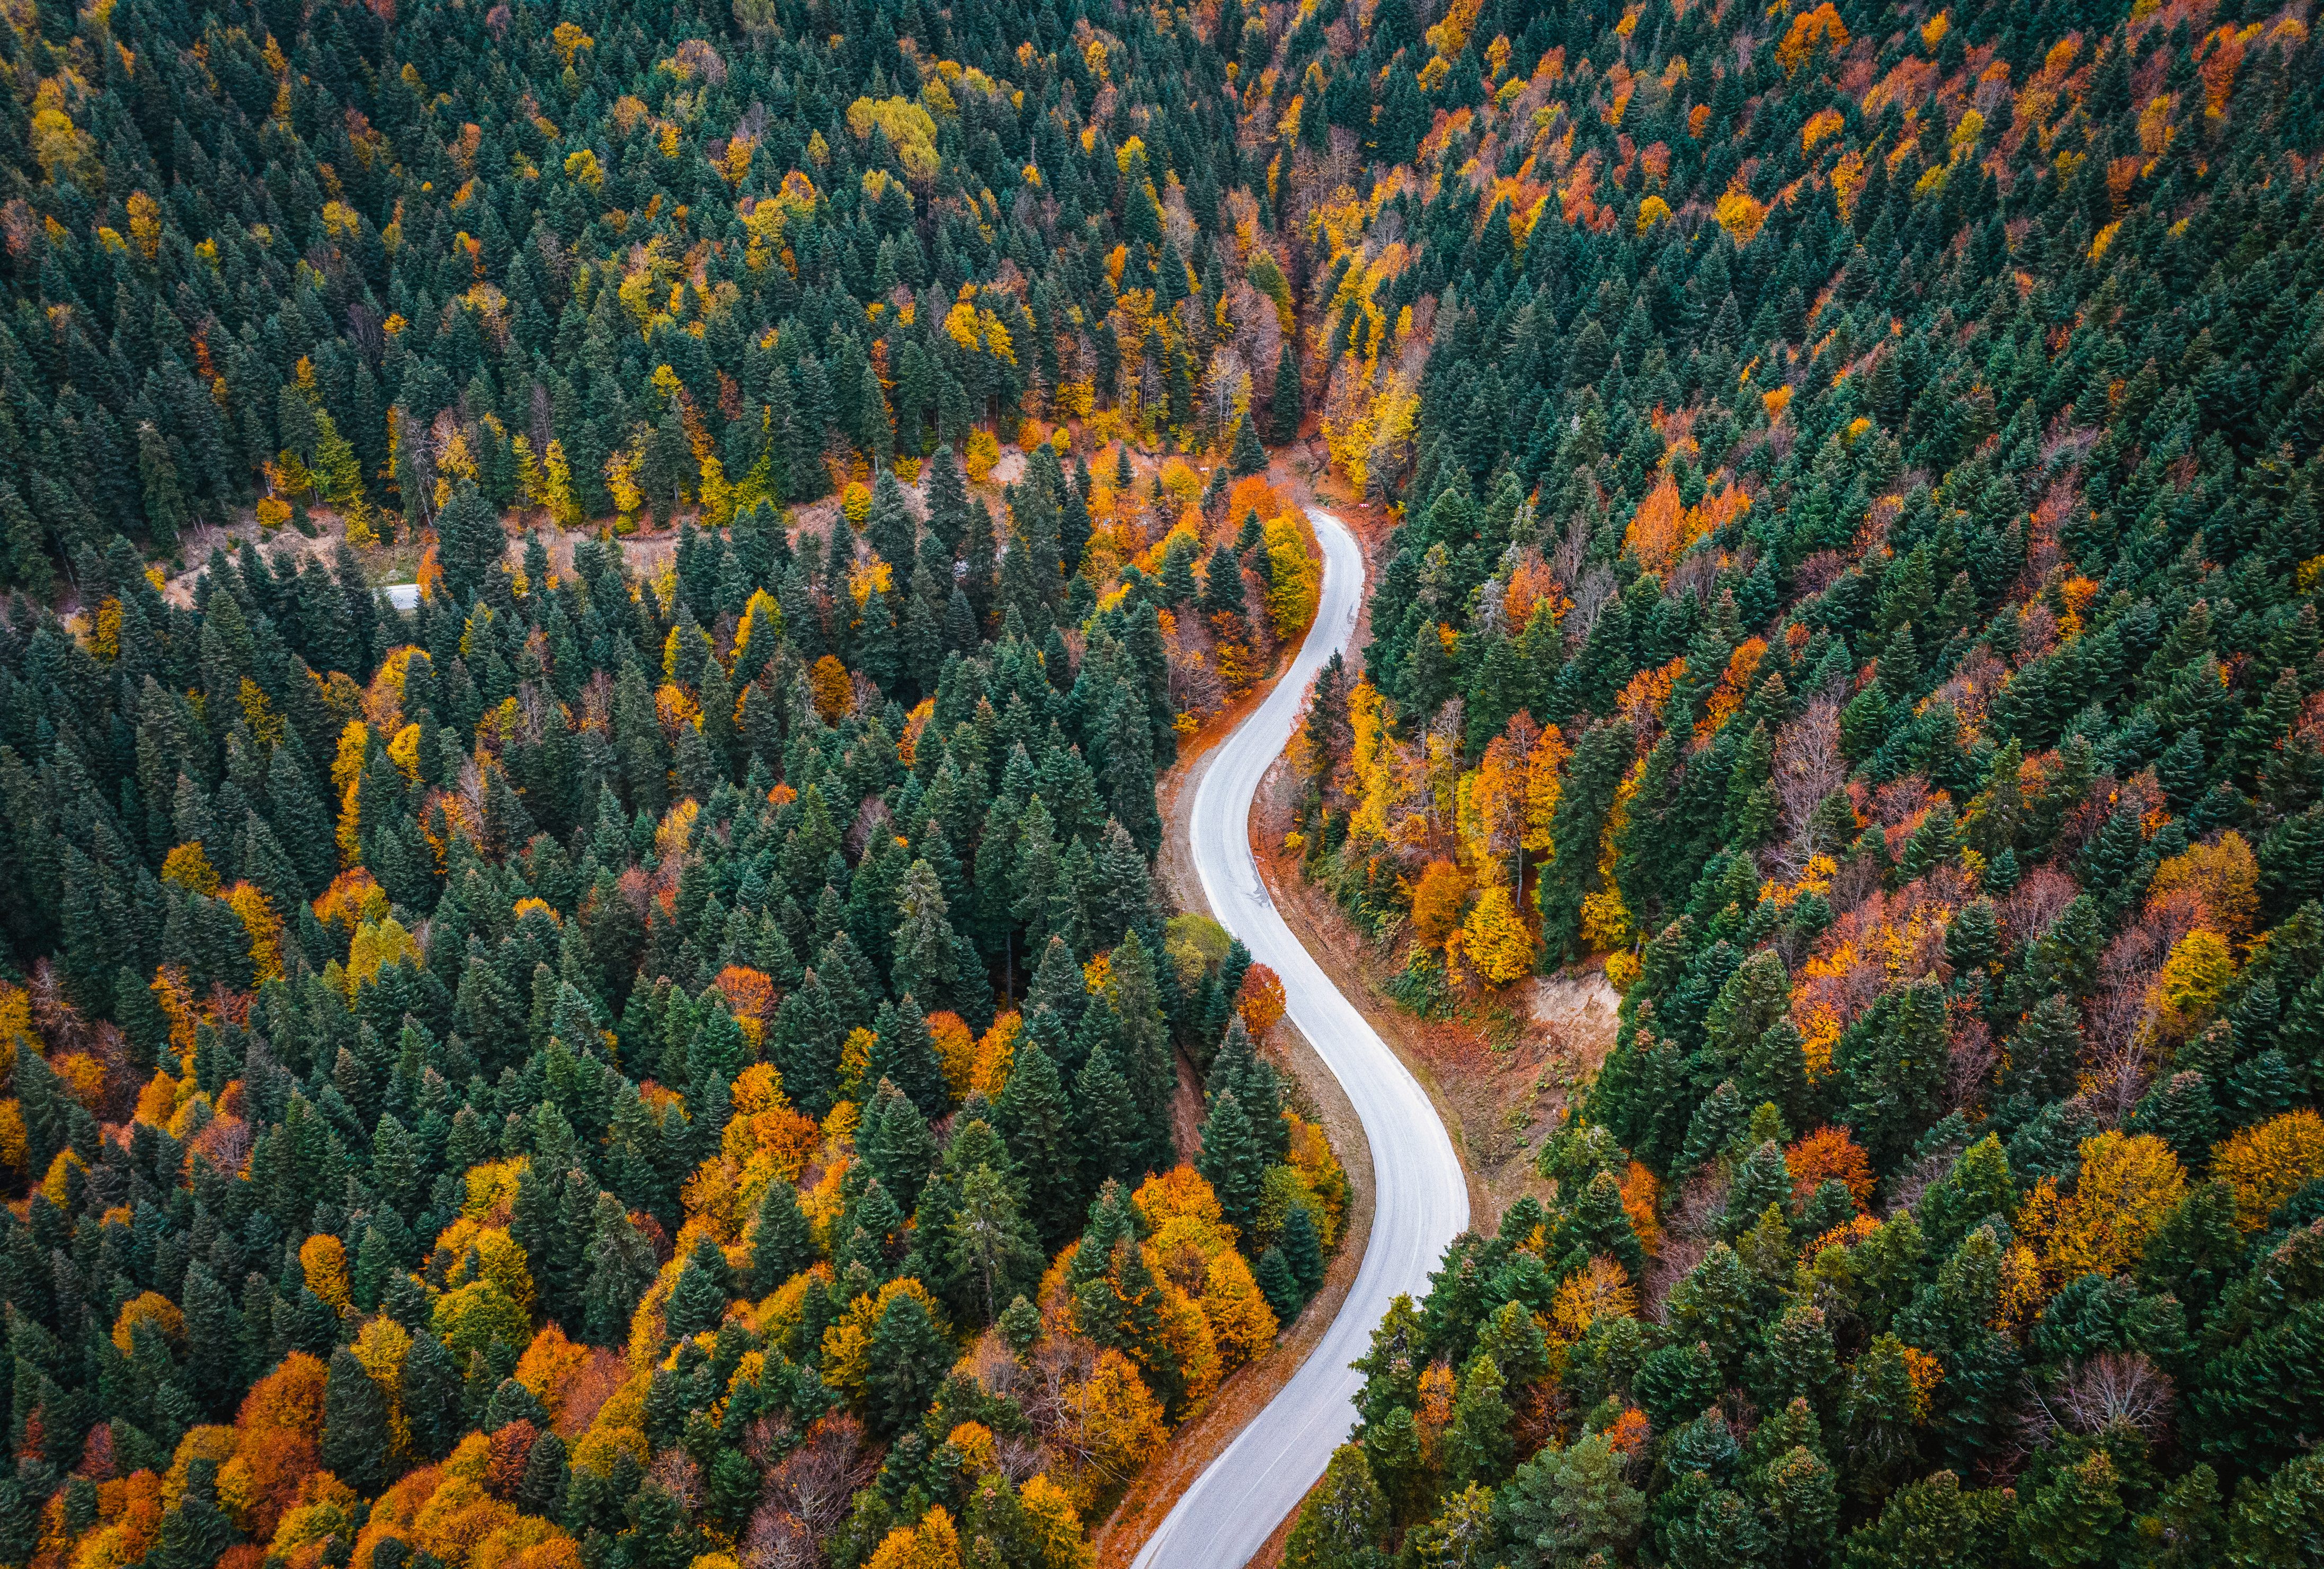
(673, 1055)
(1856, 583)
(664, 1055)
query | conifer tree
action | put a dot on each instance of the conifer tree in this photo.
(1286, 409)
(1230, 1159)
(356, 1430)
(1250, 457)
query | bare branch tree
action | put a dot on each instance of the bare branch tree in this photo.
(2116, 1389)
(1807, 768)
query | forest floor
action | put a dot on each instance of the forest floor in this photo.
(645, 549)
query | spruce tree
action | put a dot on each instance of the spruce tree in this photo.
(1037, 1122)
(428, 1392)
(355, 1430)
(195, 1531)
(1286, 409)
(781, 1242)
(1302, 1250)
(1231, 1160)
(1249, 458)
(698, 1300)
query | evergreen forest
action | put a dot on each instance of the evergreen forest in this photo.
(1856, 589)
(665, 1054)
(677, 1053)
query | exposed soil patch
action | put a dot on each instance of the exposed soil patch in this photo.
(1577, 1010)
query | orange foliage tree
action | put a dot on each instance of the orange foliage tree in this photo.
(1260, 1000)
(1436, 902)
(1809, 28)
(1826, 1154)
(833, 690)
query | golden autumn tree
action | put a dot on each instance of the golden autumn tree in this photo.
(1260, 1000)
(2266, 1164)
(1436, 902)
(2128, 1187)
(1494, 941)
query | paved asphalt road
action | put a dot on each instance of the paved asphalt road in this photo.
(1422, 1198)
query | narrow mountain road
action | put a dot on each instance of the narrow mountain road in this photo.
(1422, 1200)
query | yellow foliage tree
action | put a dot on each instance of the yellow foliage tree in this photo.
(471, 1316)
(2267, 1164)
(1599, 1289)
(323, 1261)
(1494, 940)
(762, 618)
(1112, 1427)
(148, 1307)
(911, 131)
(2128, 1187)
(933, 1544)
(2196, 974)
(995, 1055)
(377, 945)
(259, 924)
(2225, 877)
(956, 1049)
(1291, 597)
(833, 692)
(1809, 28)
(347, 772)
(189, 868)
(1055, 1526)
(1544, 768)
(1193, 1248)
(1436, 902)
(381, 1346)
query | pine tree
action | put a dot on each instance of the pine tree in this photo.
(1285, 411)
(895, 1141)
(906, 1360)
(903, 1055)
(1567, 1506)
(621, 1267)
(355, 1424)
(1891, 1065)
(1583, 802)
(698, 1300)
(1478, 1445)
(195, 1531)
(1249, 458)
(1343, 1523)
(1231, 1160)
(1107, 1124)
(923, 938)
(1302, 1250)
(469, 543)
(989, 1243)
(1279, 1285)
(781, 1243)
(428, 1393)
(1036, 1120)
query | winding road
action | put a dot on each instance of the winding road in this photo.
(1421, 1197)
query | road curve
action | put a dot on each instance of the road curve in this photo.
(1422, 1198)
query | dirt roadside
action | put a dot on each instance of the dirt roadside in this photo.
(1317, 1094)
(1492, 1083)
